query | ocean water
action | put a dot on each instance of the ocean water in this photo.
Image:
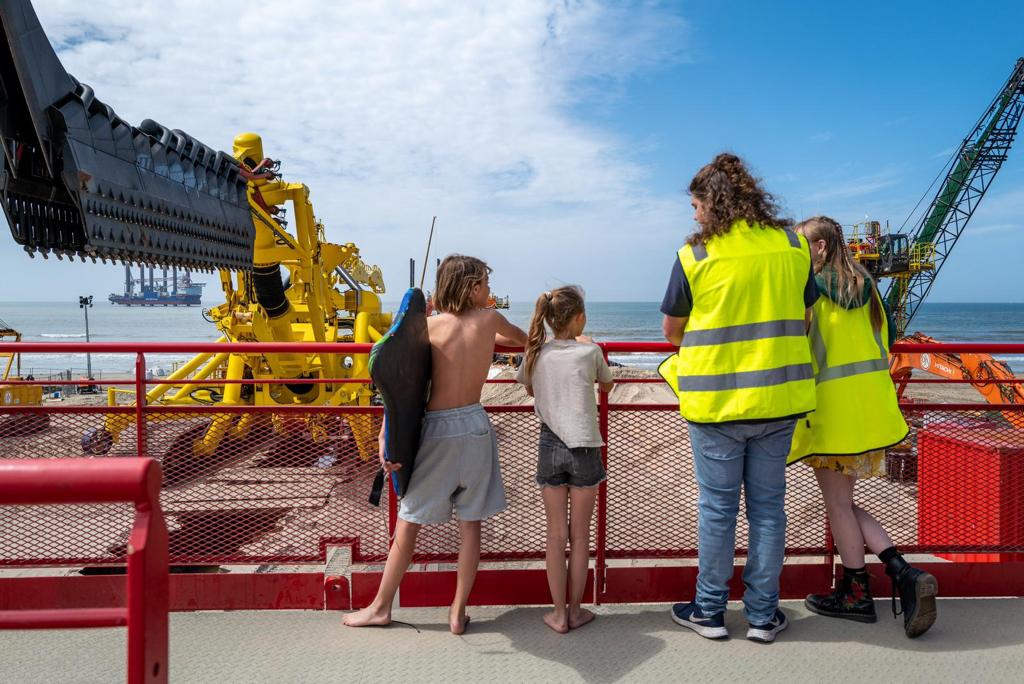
(609, 321)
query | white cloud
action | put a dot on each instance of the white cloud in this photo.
(394, 112)
(854, 187)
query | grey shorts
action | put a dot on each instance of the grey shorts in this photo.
(456, 468)
(558, 465)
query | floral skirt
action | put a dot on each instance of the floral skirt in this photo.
(864, 466)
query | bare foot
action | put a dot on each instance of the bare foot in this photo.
(368, 617)
(457, 623)
(580, 617)
(560, 625)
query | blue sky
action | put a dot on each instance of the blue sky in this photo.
(554, 138)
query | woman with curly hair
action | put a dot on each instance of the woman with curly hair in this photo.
(737, 305)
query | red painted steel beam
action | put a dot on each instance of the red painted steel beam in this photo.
(30, 481)
(491, 588)
(958, 347)
(664, 584)
(364, 348)
(187, 592)
(185, 347)
(63, 618)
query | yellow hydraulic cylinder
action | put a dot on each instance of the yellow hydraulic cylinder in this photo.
(221, 422)
(183, 372)
(213, 363)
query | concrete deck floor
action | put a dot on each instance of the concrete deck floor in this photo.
(976, 640)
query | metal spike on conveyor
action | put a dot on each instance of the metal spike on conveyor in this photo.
(77, 180)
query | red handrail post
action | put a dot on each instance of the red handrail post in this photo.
(107, 480)
(148, 588)
(140, 404)
(602, 499)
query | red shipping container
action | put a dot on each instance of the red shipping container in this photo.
(971, 486)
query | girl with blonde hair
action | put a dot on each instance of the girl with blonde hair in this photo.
(560, 374)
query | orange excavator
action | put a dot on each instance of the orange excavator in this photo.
(982, 370)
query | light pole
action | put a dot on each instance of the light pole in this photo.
(84, 303)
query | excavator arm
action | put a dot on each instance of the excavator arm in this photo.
(982, 370)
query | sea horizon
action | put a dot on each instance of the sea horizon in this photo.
(607, 321)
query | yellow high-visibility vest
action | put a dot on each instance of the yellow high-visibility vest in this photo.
(744, 354)
(857, 406)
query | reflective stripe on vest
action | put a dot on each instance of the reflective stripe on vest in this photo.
(745, 379)
(845, 370)
(746, 331)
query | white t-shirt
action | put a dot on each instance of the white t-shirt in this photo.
(563, 389)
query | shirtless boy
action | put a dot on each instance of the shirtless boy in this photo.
(457, 462)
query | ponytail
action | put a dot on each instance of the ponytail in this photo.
(538, 333)
(556, 308)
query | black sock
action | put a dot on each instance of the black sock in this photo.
(888, 554)
(853, 572)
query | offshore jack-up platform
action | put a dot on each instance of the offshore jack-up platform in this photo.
(159, 291)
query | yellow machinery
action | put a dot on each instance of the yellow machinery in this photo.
(890, 255)
(18, 395)
(328, 294)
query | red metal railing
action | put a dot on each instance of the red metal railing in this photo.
(33, 482)
(280, 496)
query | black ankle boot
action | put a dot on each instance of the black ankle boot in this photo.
(917, 590)
(851, 600)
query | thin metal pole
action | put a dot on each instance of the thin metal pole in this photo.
(600, 564)
(426, 259)
(88, 356)
(140, 404)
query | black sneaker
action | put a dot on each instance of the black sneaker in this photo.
(766, 633)
(708, 626)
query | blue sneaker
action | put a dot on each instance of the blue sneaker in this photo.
(766, 633)
(708, 626)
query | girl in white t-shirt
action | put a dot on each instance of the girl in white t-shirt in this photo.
(560, 375)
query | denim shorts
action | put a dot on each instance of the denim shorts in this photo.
(558, 465)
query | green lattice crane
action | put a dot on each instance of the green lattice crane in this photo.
(970, 174)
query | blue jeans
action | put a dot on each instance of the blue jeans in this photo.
(726, 456)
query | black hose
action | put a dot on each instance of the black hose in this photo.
(270, 290)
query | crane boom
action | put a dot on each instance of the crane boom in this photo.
(979, 158)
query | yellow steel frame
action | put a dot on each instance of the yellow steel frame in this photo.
(322, 307)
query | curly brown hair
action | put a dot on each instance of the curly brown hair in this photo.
(729, 193)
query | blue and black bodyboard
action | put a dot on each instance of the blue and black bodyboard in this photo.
(400, 366)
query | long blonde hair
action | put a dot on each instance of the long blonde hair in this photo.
(850, 275)
(557, 308)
